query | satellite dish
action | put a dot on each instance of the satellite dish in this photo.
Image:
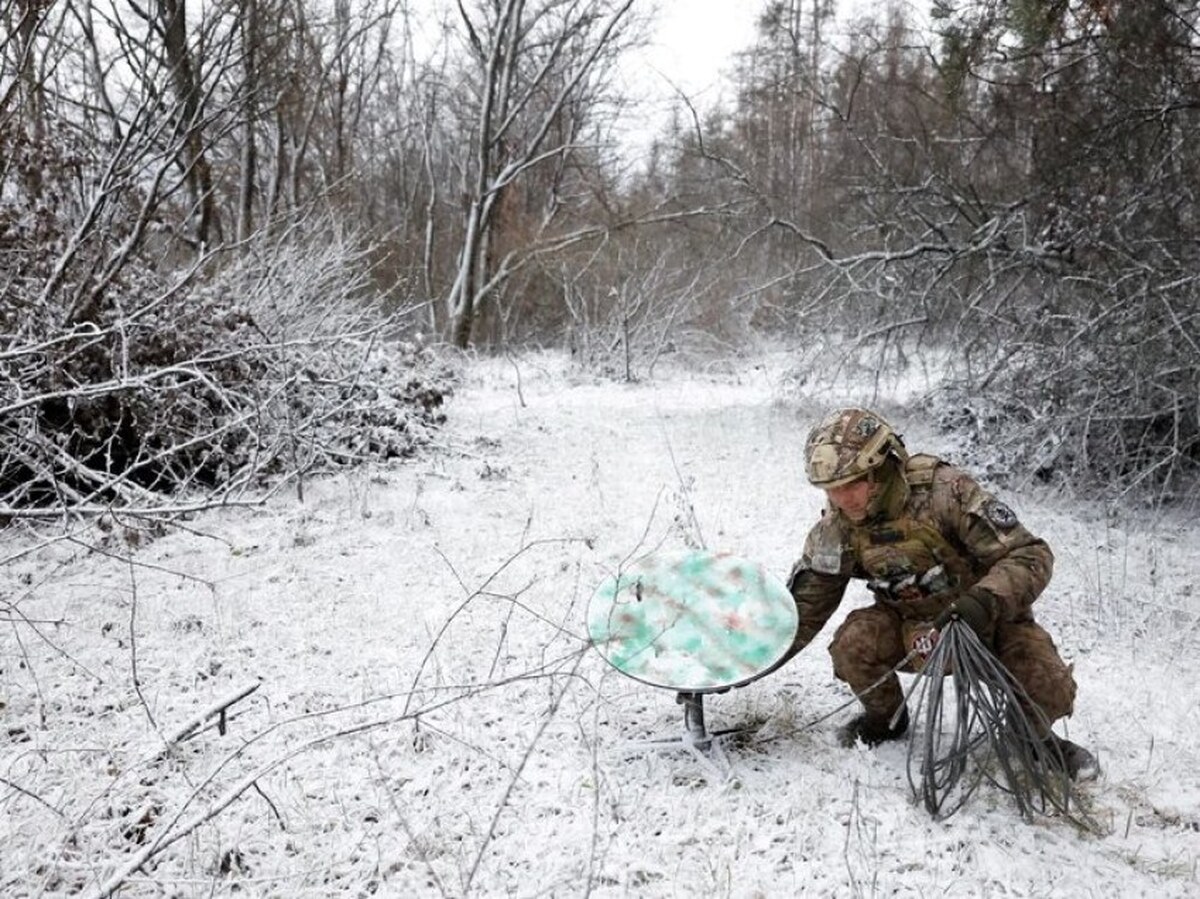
(695, 622)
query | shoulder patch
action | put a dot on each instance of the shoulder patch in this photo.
(824, 550)
(826, 561)
(1000, 515)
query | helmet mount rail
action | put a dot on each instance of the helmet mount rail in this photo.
(849, 444)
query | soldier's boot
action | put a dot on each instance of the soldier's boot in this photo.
(873, 729)
(1078, 763)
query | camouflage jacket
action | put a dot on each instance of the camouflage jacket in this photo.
(941, 520)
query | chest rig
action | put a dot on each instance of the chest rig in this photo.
(905, 558)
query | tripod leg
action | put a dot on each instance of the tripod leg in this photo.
(693, 719)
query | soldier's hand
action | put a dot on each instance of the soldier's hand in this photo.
(977, 608)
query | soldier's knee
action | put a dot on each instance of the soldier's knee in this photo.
(1032, 658)
(1057, 691)
(863, 639)
(849, 640)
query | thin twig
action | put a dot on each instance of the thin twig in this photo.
(24, 792)
(133, 655)
(552, 712)
(471, 597)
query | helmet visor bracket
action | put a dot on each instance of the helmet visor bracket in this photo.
(848, 445)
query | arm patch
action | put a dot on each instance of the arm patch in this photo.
(824, 552)
(999, 515)
(827, 561)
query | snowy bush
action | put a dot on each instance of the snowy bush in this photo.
(1102, 395)
(263, 364)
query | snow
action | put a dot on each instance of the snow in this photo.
(429, 720)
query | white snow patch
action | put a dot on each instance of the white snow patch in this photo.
(454, 586)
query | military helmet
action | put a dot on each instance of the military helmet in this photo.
(846, 445)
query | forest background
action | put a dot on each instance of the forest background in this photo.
(221, 223)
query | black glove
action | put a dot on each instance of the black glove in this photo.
(977, 608)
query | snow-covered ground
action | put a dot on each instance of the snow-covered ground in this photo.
(428, 719)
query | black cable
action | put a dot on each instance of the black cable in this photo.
(991, 732)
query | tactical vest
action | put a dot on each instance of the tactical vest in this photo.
(903, 549)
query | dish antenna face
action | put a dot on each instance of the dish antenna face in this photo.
(694, 622)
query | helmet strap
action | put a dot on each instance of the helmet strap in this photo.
(890, 489)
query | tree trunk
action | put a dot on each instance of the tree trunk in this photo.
(183, 73)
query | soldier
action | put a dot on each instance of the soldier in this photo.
(928, 540)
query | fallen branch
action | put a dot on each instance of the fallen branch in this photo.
(217, 710)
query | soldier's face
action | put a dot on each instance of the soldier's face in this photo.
(853, 499)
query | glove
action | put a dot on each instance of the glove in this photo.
(977, 608)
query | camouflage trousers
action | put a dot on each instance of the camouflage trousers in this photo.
(871, 642)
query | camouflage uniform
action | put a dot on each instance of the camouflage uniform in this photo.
(929, 515)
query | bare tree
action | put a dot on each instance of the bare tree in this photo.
(533, 60)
